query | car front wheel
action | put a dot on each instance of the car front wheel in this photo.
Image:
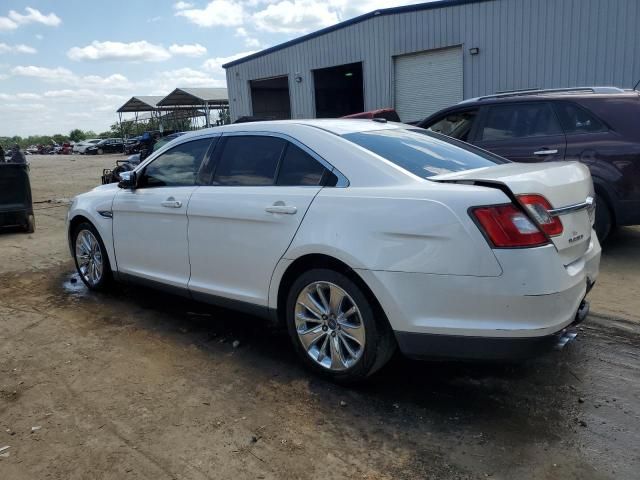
(334, 328)
(90, 257)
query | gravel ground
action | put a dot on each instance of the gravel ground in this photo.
(136, 384)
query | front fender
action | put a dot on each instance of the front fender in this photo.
(88, 206)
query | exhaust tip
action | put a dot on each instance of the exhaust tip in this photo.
(565, 338)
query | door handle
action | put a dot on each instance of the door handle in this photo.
(546, 151)
(280, 207)
(171, 203)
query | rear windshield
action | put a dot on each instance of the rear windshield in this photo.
(424, 153)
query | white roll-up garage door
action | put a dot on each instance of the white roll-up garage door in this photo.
(427, 81)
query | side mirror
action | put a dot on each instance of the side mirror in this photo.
(128, 180)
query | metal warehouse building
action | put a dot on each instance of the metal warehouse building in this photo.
(421, 58)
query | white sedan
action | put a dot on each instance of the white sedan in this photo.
(361, 236)
(82, 146)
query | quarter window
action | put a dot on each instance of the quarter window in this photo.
(577, 120)
(177, 167)
(249, 161)
(299, 168)
(504, 122)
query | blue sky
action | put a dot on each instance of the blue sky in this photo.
(72, 63)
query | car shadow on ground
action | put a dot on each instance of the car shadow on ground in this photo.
(622, 242)
(518, 396)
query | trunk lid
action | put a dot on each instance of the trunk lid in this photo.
(566, 185)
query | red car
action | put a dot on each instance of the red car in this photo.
(387, 113)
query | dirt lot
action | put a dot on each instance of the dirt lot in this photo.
(136, 384)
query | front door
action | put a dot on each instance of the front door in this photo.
(242, 224)
(150, 221)
(521, 132)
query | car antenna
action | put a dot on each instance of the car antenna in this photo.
(379, 120)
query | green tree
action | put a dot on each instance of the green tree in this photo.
(77, 135)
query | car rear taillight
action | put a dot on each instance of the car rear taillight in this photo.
(539, 208)
(506, 226)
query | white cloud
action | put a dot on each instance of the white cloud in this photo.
(25, 49)
(82, 94)
(34, 16)
(295, 16)
(7, 24)
(161, 83)
(20, 48)
(249, 41)
(348, 8)
(39, 36)
(141, 51)
(52, 74)
(63, 75)
(20, 96)
(154, 19)
(223, 13)
(214, 65)
(194, 50)
(182, 5)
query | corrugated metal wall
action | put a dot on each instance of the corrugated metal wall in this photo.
(523, 43)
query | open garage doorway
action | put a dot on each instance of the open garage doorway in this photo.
(270, 98)
(338, 90)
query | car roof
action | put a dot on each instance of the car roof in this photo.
(555, 93)
(337, 126)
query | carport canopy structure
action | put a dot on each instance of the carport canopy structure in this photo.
(206, 98)
(142, 103)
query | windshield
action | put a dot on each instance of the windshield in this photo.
(423, 153)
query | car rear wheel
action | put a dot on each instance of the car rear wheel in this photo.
(90, 257)
(334, 329)
(604, 219)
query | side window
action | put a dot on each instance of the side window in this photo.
(299, 168)
(456, 125)
(249, 161)
(177, 167)
(575, 119)
(520, 120)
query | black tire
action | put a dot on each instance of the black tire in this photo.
(379, 339)
(100, 151)
(30, 226)
(107, 277)
(604, 219)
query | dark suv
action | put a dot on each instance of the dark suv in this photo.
(597, 126)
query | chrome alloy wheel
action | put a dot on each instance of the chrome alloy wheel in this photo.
(329, 326)
(89, 257)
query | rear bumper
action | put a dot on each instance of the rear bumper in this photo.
(426, 346)
(527, 309)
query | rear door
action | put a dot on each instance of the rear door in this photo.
(242, 223)
(521, 132)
